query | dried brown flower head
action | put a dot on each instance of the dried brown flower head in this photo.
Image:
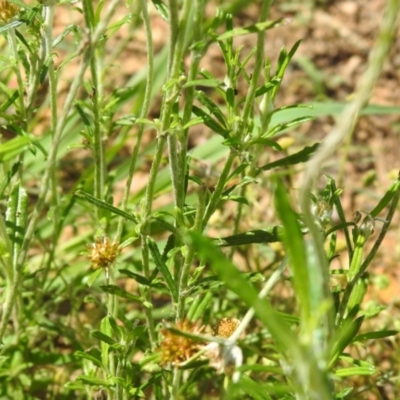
(103, 253)
(8, 11)
(226, 326)
(176, 348)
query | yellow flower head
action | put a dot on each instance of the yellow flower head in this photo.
(103, 253)
(226, 326)
(8, 11)
(175, 348)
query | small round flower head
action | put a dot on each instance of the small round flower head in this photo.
(175, 348)
(226, 326)
(8, 11)
(102, 253)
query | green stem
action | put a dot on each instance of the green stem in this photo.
(216, 196)
(98, 145)
(176, 380)
(47, 40)
(185, 273)
(97, 94)
(147, 295)
(143, 113)
(249, 103)
(176, 46)
(12, 292)
(178, 33)
(178, 146)
(21, 88)
(173, 25)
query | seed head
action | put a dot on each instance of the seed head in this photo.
(175, 348)
(8, 11)
(226, 326)
(103, 253)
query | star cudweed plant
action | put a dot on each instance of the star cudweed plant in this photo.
(232, 266)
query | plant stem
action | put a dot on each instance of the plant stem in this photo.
(184, 277)
(178, 34)
(216, 196)
(21, 88)
(178, 145)
(249, 103)
(47, 40)
(143, 113)
(147, 295)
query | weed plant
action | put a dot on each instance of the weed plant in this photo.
(122, 296)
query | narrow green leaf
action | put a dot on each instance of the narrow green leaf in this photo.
(345, 335)
(104, 205)
(105, 329)
(385, 200)
(237, 199)
(16, 217)
(203, 82)
(209, 122)
(94, 275)
(199, 306)
(92, 381)
(81, 112)
(295, 248)
(161, 266)
(281, 127)
(161, 8)
(90, 357)
(352, 371)
(299, 157)
(237, 171)
(259, 27)
(11, 25)
(138, 278)
(269, 235)
(13, 147)
(66, 31)
(102, 337)
(117, 291)
(375, 335)
(194, 122)
(261, 368)
(214, 110)
(11, 99)
(283, 62)
(255, 390)
(268, 86)
(267, 142)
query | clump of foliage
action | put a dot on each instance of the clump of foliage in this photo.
(113, 295)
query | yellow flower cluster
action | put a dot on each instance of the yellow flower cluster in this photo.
(175, 348)
(103, 253)
(8, 11)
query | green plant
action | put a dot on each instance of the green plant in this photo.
(134, 324)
